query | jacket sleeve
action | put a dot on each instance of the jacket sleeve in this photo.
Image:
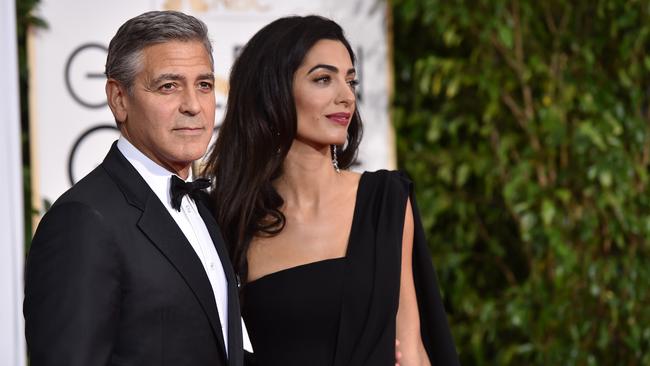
(71, 304)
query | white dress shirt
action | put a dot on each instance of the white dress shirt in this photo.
(189, 221)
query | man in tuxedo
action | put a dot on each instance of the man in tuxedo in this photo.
(128, 267)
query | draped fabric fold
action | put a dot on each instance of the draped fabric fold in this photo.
(371, 286)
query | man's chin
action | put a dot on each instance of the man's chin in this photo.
(190, 156)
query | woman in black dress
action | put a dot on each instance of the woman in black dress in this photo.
(334, 264)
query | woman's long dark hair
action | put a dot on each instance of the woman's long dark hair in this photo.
(259, 128)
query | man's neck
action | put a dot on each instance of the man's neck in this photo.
(183, 170)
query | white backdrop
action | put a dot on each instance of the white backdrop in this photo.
(72, 127)
(12, 344)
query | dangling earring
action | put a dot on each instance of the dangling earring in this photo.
(335, 161)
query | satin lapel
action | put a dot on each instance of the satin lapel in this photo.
(162, 230)
(235, 343)
(135, 189)
(218, 242)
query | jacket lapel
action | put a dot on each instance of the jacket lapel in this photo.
(164, 233)
(162, 230)
(235, 346)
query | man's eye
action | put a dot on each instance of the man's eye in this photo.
(167, 87)
(205, 85)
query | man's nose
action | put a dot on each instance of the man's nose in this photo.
(190, 104)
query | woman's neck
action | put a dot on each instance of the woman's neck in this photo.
(308, 176)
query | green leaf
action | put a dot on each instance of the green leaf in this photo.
(505, 35)
(548, 212)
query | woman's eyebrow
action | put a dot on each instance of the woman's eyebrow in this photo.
(330, 68)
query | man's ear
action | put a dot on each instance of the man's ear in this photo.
(117, 98)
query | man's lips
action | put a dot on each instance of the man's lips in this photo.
(339, 118)
(189, 130)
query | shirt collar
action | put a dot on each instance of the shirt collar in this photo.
(157, 177)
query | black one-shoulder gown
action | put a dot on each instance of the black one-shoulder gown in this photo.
(342, 311)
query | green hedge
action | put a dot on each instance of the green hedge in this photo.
(526, 127)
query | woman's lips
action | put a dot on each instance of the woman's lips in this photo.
(339, 118)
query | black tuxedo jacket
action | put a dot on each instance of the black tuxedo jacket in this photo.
(111, 280)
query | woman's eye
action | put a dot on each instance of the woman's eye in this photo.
(322, 80)
(353, 83)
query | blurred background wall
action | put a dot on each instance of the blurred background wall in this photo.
(71, 126)
(12, 344)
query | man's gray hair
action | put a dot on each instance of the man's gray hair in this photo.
(125, 50)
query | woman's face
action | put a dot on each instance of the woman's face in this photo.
(323, 90)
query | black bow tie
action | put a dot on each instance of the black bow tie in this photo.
(179, 188)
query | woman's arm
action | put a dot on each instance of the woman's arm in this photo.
(408, 317)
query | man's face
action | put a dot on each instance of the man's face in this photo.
(169, 115)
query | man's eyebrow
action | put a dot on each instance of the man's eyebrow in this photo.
(330, 68)
(166, 77)
(178, 77)
(206, 76)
